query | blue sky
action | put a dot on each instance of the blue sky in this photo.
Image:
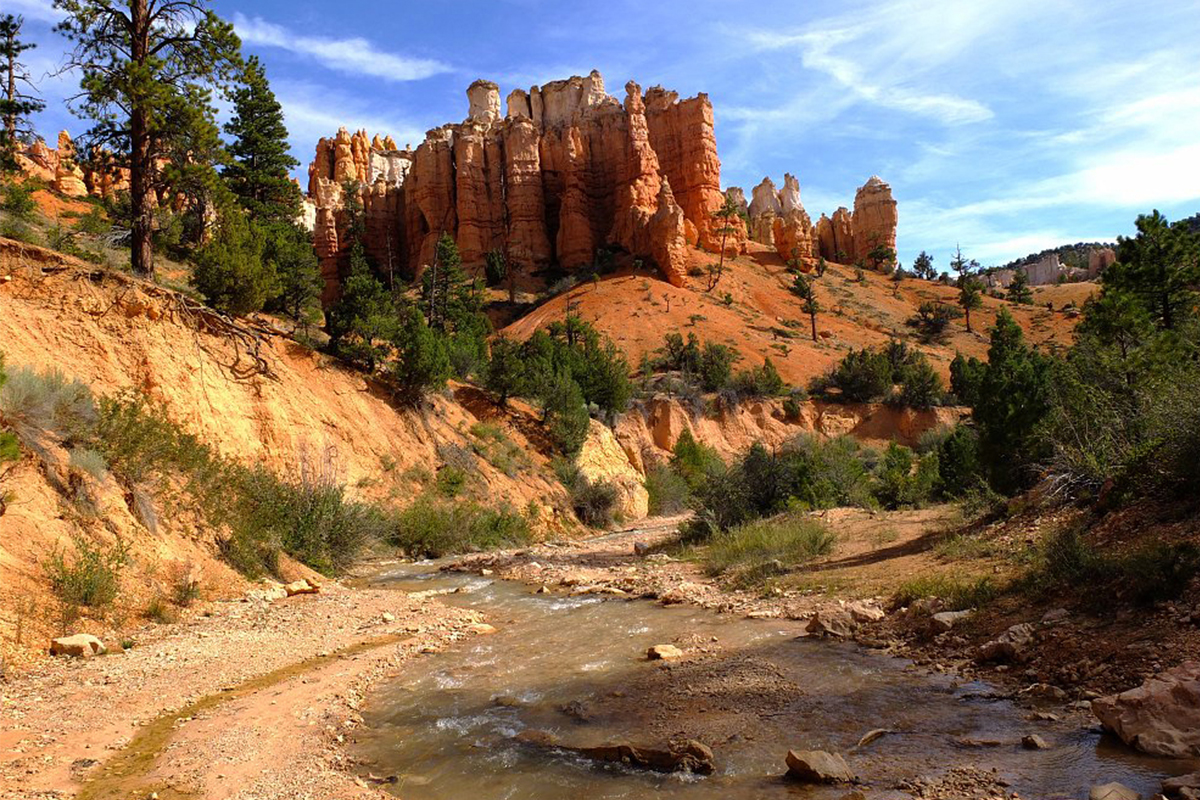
(1005, 125)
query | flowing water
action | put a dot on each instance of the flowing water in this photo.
(573, 666)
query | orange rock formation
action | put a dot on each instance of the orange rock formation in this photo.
(568, 170)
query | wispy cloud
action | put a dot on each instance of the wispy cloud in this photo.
(309, 117)
(354, 56)
(41, 10)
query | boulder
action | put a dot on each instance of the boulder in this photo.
(302, 586)
(1113, 791)
(664, 652)
(1013, 645)
(481, 628)
(1183, 787)
(818, 766)
(1034, 742)
(863, 611)
(681, 593)
(1161, 717)
(81, 645)
(836, 622)
(943, 621)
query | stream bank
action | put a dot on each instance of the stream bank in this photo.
(573, 668)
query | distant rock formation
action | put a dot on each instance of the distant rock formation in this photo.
(1049, 269)
(778, 219)
(61, 170)
(569, 169)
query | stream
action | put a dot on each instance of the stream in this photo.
(575, 667)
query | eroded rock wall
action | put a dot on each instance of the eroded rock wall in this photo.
(568, 170)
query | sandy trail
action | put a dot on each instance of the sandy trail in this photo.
(252, 701)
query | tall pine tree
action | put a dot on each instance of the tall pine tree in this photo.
(15, 104)
(138, 59)
(258, 174)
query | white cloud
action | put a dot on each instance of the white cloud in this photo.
(355, 56)
(309, 117)
(41, 10)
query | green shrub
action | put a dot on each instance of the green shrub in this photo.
(158, 610)
(19, 231)
(903, 480)
(39, 403)
(450, 481)
(92, 577)
(758, 550)
(693, 461)
(1151, 574)
(594, 502)
(669, 492)
(565, 415)
(18, 201)
(761, 381)
(791, 408)
(956, 593)
(309, 517)
(431, 528)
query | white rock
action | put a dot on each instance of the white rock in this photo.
(81, 645)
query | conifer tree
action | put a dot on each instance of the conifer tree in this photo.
(1161, 267)
(138, 59)
(15, 103)
(1019, 291)
(505, 370)
(261, 161)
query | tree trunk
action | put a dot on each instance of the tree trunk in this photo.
(10, 121)
(141, 166)
(814, 326)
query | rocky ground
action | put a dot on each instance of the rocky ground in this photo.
(249, 699)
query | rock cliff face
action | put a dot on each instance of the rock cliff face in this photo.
(778, 219)
(569, 169)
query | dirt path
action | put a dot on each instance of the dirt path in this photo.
(251, 701)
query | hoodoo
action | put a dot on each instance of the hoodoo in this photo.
(568, 170)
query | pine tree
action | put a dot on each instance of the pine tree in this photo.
(1012, 399)
(505, 372)
(1019, 291)
(803, 287)
(969, 298)
(923, 267)
(421, 363)
(258, 174)
(15, 104)
(288, 247)
(1161, 267)
(363, 320)
(230, 271)
(564, 412)
(138, 58)
(725, 214)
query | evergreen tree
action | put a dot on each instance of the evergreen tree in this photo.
(261, 161)
(363, 320)
(923, 267)
(882, 258)
(230, 271)
(1012, 399)
(966, 375)
(15, 103)
(1019, 291)
(138, 59)
(421, 363)
(803, 287)
(1161, 267)
(969, 294)
(969, 298)
(288, 247)
(505, 372)
(725, 216)
(564, 413)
